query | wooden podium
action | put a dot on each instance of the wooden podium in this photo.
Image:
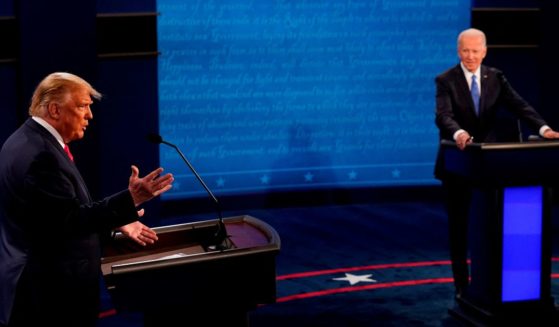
(178, 279)
(510, 231)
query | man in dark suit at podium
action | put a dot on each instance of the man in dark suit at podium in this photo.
(468, 97)
(50, 228)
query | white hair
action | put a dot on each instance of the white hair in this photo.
(472, 32)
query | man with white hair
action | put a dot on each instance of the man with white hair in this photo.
(468, 98)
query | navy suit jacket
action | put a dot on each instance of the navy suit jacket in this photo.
(455, 108)
(49, 226)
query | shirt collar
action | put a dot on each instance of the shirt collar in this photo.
(469, 74)
(49, 128)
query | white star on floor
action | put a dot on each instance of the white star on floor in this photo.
(354, 279)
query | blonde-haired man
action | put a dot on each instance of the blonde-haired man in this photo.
(50, 228)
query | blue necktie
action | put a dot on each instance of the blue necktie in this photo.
(475, 93)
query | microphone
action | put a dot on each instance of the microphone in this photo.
(519, 128)
(220, 239)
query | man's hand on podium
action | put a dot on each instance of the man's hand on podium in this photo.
(462, 139)
(550, 134)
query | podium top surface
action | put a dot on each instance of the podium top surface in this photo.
(178, 274)
(543, 144)
(505, 164)
(183, 244)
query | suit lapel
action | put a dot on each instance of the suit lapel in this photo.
(55, 145)
(46, 135)
(484, 87)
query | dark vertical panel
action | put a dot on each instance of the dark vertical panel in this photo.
(503, 29)
(8, 99)
(58, 35)
(506, 4)
(128, 79)
(126, 114)
(6, 8)
(548, 61)
(126, 35)
(8, 90)
(8, 39)
(123, 6)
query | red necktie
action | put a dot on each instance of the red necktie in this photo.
(67, 150)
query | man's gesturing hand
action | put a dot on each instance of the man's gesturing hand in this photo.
(139, 232)
(152, 185)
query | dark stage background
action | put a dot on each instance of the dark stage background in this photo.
(113, 44)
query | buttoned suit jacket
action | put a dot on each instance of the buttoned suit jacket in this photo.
(455, 108)
(49, 226)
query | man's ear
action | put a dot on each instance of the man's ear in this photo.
(53, 110)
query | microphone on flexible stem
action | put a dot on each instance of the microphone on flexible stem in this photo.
(220, 241)
(519, 128)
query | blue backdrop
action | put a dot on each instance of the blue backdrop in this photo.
(284, 95)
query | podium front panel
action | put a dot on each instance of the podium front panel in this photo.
(510, 227)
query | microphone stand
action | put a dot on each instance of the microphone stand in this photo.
(220, 238)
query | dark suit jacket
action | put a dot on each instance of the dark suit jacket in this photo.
(455, 107)
(49, 226)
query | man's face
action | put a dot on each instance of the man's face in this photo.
(471, 50)
(75, 113)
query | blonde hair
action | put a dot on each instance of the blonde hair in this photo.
(55, 87)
